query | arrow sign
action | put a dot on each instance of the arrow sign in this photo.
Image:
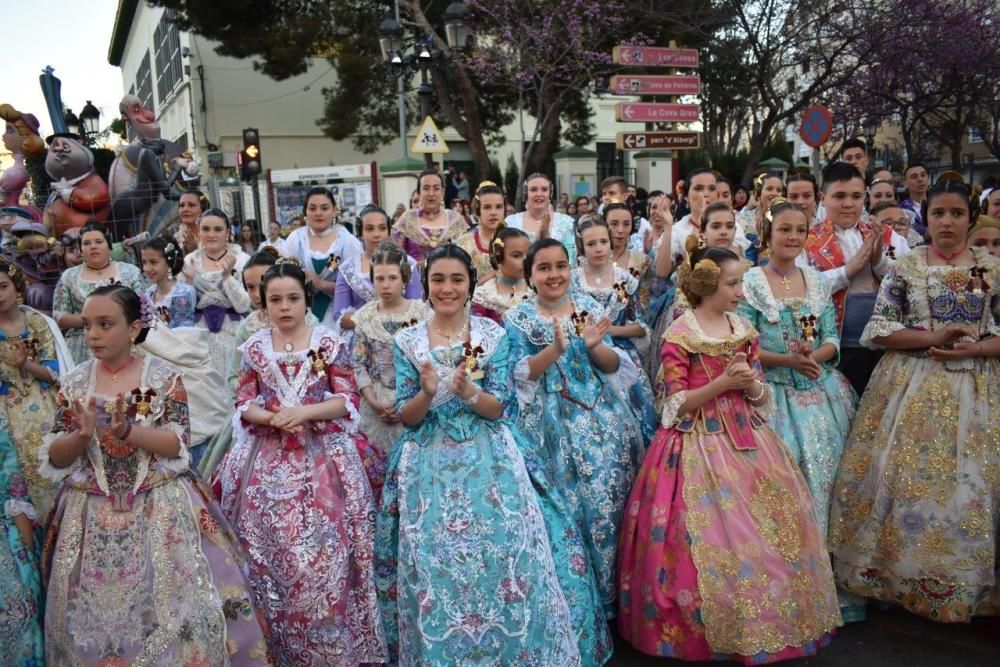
(653, 56)
(655, 85)
(637, 141)
(429, 139)
(645, 112)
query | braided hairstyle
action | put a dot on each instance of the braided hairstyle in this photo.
(286, 267)
(389, 253)
(171, 250)
(449, 251)
(499, 243)
(952, 183)
(129, 301)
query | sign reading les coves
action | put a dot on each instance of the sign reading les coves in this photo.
(655, 56)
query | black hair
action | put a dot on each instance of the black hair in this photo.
(95, 226)
(449, 251)
(488, 189)
(430, 172)
(317, 190)
(498, 244)
(853, 142)
(171, 251)
(70, 241)
(199, 195)
(714, 207)
(619, 206)
(389, 253)
(884, 206)
(840, 172)
(953, 186)
(15, 274)
(129, 301)
(742, 187)
(266, 256)
(215, 213)
(368, 210)
(913, 166)
(586, 222)
(535, 248)
(806, 176)
(286, 269)
(696, 172)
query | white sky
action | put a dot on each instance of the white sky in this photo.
(73, 37)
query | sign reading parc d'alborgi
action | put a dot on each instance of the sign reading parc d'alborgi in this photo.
(638, 141)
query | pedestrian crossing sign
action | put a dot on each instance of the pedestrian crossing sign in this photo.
(429, 139)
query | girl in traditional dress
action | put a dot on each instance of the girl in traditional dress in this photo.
(616, 291)
(162, 261)
(430, 225)
(78, 282)
(375, 323)
(621, 224)
(296, 490)
(766, 187)
(507, 288)
(21, 641)
(321, 247)
(539, 220)
(213, 271)
(721, 555)
(489, 205)
(915, 503)
(29, 371)
(467, 531)
(792, 310)
(142, 567)
(354, 282)
(572, 395)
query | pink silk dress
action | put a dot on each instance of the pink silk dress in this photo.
(720, 554)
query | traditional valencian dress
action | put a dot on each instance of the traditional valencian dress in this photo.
(371, 357)
(29, 404)
(303, 506)
(21, 640)
(419, 241)
(620, 304)
(561, 228)
(813, 417)
(177, 308)
(222, 302)
(590, 439)
(72, 290)
(478, 250)
(721, 554)
(488, 301)
(915, 507)
(355, 289)
(477, 561)
(142, 566)
(324, 263)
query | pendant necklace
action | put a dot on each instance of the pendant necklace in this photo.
(114, 372)
(948, 259)
(785, 280)
(599, 279)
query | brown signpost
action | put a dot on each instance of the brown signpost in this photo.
(641, 141)
(655, 85)
(652, 112)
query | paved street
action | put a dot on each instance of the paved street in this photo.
(888, 639)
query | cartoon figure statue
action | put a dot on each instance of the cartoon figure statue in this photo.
(21, 138)
(144, 175)
(31, 249)
(78, 193)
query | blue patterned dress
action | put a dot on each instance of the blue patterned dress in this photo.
(813, 417)
(620, 303)
(475, 561)
(177, 308)
(21, 641)
(590, 440)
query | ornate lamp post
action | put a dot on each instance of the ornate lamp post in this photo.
(90, 119)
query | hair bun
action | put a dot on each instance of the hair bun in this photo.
(691, 243)
(703, 279)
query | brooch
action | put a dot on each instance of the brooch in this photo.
(890, 251)
(621, 292)
(164, 313)
(318, 359)
(579, 321)
(977, 281)
(143, 401)
(472, 355)
(333, 262)
(808, 323)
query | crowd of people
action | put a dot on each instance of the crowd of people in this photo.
(718, 428)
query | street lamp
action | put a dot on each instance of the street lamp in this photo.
(72, 122)
(870, 127)
(391, 44)
(90, 118)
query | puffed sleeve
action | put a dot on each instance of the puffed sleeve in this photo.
(182, 306)
(496, 379)
(47, 353)
(341, 298)
(177, 420)
(340, 376)
(827, 330)
(519, 350)
(675, 366)
(247, 385)
(407, 377)
(890, 307)
(13, 487)
(62, 299)
(61, 425)
(361, 359)
(236, 293)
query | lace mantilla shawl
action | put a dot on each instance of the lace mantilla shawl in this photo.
(369, 321)
(538, 329)
(759, 295)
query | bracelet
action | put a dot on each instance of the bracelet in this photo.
(754, 399)
(128, 429)
(472, 400)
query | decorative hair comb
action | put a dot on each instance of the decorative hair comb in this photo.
(285, 259)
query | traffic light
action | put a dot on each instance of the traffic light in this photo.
(250, 162)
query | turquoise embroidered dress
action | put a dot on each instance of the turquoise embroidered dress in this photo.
(589, 438)
(813, 417)
(475, 563)
(177, 308)
(21, 641)
(620, 303)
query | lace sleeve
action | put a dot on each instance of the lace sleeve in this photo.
(890, 307)
(61, 425)
(176, 419)
(676, 366)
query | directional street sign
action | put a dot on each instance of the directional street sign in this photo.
(429, 139)
(638, 141)
(652, 56)
(655, 85)
(646, 112)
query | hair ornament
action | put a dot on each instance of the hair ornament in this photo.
(170, 247)
(777, 201)
(285, 259)
(703, 279)
(615, 200)
(148, 313)
(482, 185)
